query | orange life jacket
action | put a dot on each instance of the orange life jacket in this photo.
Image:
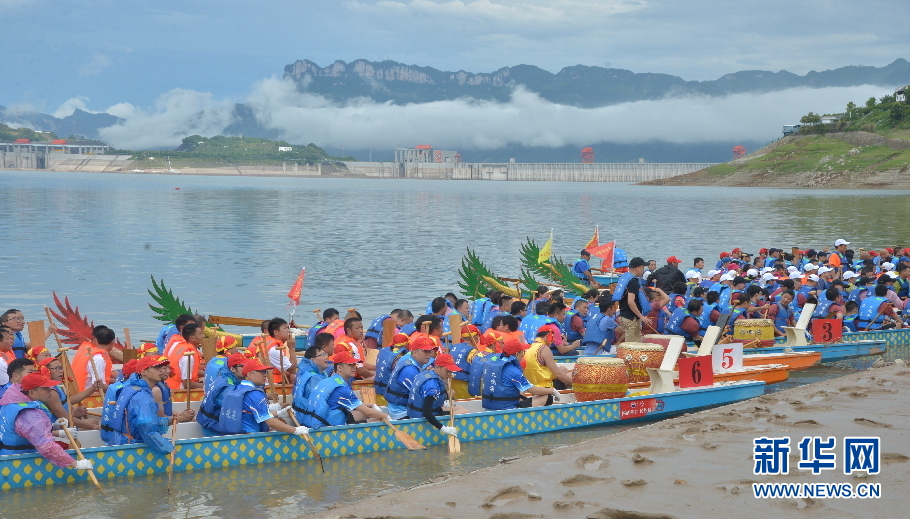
(334, 327)
(175, 381)
(494, 341)
(351, 346)
(81, 368)
(252, 350)
(169, 347)
(271, 344)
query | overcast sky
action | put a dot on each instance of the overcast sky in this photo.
(125, 51)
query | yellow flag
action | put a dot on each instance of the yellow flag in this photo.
(547, 250)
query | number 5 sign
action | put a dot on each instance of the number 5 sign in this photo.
(727, 357)
(695, 372)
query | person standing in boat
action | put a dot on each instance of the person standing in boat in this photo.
(96, 351)
(310, 372)
(26, 427)
(429, 394)
(135, 417)
(352, 343)
(838, 259)
(333, 402)
(633, 303)
(503, 381)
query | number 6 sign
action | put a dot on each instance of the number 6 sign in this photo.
(695, 372)
(727, 357)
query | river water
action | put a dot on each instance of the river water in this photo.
(234, 245)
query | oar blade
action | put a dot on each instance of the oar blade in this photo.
(315, 451)
(368, 395)
(408, 441)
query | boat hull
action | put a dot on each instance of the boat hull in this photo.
(225, 451)
(792, 361)
(830, 352)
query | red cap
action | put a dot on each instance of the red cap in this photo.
(724, 255)
(763, 250)
(253, 365)
(736, 250)
(130, 367)
(513, 346)
(490, 337)
(400, 339)
(890, 250)
(873, 253)
(424, 343)
(33, 352)
(445, 360)
(673, 259)
(43, 366)
(906, 250)
(236, 359)
(150, 361)
(37, 379)
(225, 342)
(343, 357)
(148, 348)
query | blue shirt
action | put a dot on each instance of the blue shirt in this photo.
(513, 376)
(255, 409)
(406, 377)
(344, 397)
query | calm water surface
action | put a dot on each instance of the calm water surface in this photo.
(233, 246)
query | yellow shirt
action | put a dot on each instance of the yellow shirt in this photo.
(537, 373)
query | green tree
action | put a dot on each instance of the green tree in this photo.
(887, 99)
(870, 103)
(810, 118)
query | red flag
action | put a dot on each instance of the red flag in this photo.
(294, 294)
(595, 240)
(604, 251)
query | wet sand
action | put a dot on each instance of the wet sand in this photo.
(694, 466)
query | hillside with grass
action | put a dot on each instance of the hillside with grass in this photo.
(9, 134)
(864, 147)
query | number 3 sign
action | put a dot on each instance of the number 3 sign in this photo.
(695, 372)
(727, 357)
(827, 330)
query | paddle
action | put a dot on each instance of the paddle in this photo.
(306, 437)
(126, 337)
(407, 440)
(189, 375)
(368, 395)
(67, 369)
(880, 312)
(91, 473)
(284, 391)
(265, 362)
(454, 444)
(170, 467)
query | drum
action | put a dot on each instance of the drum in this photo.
(751, 330)
(599, 378)
(639, 356)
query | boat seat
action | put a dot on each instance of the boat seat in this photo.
(796, 335)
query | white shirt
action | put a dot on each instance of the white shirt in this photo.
(187, 369)
(4, 378)
(275, 360)
(101, 364)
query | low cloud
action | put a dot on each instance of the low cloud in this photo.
(97, 63)
(526, 119)
(70, 105)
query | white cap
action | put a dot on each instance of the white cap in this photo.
(810, 266)
(792, 268)
(797, 275)
(727, 277)
(712, 273)
(765, 270)
(813, 277)
(692, 274)
(823, 270)
(850, 275)
(767, 276)
(840, 242)
(752, 273)
(892, 275)
(887, 265)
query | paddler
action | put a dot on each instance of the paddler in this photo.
(52, 368)
(352, 343)
(277, 350)
(326, 341)
(687, 321)
(186, 367)
(582, 269)
(245, 408)
(146, 349)
(502, 309)
(210, 408)
(329, 315)
(7, 338)
(388, 356)
(504, 382)
(310, 372)
(176, 337)
(15, 372)
(372, 338)
(602, 327)
(873, 312)
(781, 312)
(163, 396)
(127, 376)
(135, 418)
(98, 350)
(540, 367)
(333, 402)
(37, 354)
(429, 393)
(252, 351)
(15, 320)
(225, 346)
(463, 354)
(423, 349)
(26, 427)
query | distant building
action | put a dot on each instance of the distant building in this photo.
(285, 148)
(790, 129)
(426, 153)
(900, 95)
(35, 155)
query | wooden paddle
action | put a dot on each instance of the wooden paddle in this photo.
(306, 437)
(67, 369)
(406, 439)
(368, 395)
(189, 375)
(265, 362)
(126, 338)
(454, 443)
(284, 390)
(170, 467)
(73, 444)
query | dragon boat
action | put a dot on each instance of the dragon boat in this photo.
(195, 452)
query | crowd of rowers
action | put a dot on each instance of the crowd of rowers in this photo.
(505, 354)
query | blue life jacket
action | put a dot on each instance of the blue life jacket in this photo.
(903, 287)
(62, 394)
(674, 324)
(408, 329)
(593, 333)
(570, 334)
(784, 314)
(475, 378)
(166, 398)
(868, 316)
(579, 268)
(821, 309)
(496, 395)
(230, 419)
(308, 377)
(167, 331)
(117, 429)
(10, 442)
(529, 326)
(850, 322)
(621, 292)
(375, 330)
(858, 294)
(805, 289)
(493, 313)
(314, 331)
(478, 310)
(620, 259)
(19, 345)
(385, 362)
(107, 411)
(735, 315)
(396, 393)
(460, 353)
(415, 401)
(317, 411)
(212, 402)
(213, 369)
